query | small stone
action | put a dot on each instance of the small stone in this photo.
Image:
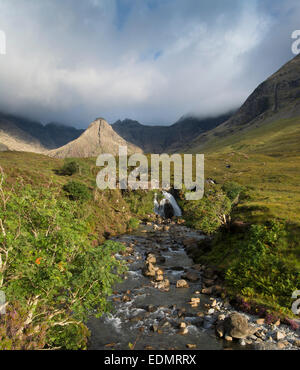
(220, 330)
(151, 258)
(197, 267)
(148, 348)
(281, 345)
(191, 276)
(297, 343)
(214, 303)
(260, 321)
(242, 342)
(182, 284)
(207, 291)
(159, 277)
(182, 325)
(151, 308)
(191, 346)
(280, 335)
(183, 331)
(211, 311)
(228, 338)
(221, 317)
(154, 328)
(125, 298)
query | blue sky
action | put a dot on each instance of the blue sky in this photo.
(150, 60)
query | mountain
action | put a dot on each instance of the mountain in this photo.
(276, 99)
(22, 134)
(15, 139)
(159, 139)
(98, 138)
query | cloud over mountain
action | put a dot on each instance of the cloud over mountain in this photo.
(149, 60)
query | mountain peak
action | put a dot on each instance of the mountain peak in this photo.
(98, 138)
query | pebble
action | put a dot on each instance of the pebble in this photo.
(191, 346)
(280, 335)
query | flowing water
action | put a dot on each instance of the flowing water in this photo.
(147, 317)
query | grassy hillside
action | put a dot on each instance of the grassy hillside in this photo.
(265, 161)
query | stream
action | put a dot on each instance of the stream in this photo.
(146, 317)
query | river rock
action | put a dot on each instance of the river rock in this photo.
(149, 270)
(191, 346)
(237, 326)
(207, 291)
(208, 282)
(151, 258)
(182, 284)
(151, 308)
(191, 276)
(280, 335)
(220, 331)
(159, 276)
(164, 285)
(126, 298)
(197, 267)
(190, 242)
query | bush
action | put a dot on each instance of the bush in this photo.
(232, 190)
(52, 275)
(260, 270)
(69, 168)
(77, 191)
(133, 223)
(206, 214)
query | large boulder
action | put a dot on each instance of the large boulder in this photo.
(236, 326)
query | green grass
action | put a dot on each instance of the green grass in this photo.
(265, 160)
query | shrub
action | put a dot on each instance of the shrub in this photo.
(206, 214)
(260, 270)
(51, 273)
(77, 191)
(69, 168)
(133, 223)
(232, 190)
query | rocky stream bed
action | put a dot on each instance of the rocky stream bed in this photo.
(167, 302)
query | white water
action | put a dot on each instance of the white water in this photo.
(159, 207)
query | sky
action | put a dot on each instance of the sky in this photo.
(154, 61)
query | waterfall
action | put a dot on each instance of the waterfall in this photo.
(159, 208)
